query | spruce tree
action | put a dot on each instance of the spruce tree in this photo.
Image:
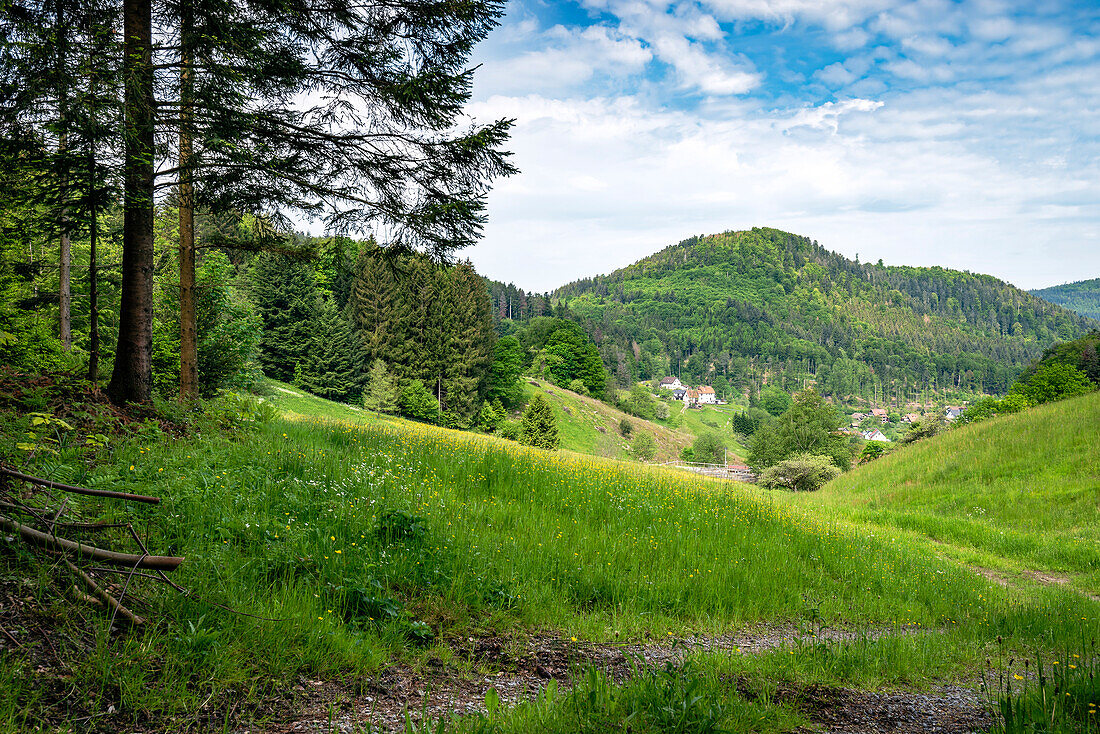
(539, 428)
(329, 370)
(287, 301)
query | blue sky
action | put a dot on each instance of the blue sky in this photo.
(962, 134)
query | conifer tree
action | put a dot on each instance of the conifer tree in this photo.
(538, 427)
(380, 393)
(286, 299)
(329, 370)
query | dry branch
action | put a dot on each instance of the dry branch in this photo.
(80, 490)
(131, 560)
(106, 598)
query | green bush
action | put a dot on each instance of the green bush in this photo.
(625, 428)
(800, 473)
(709, 449)
(644, 446)
(417, 403)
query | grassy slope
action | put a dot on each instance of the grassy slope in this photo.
(580, 417)
(281, 522)
(1019, 492)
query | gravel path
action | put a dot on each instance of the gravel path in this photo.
(520, 670)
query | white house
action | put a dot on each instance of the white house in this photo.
(875, 435)
(691, 397)
(706, 395)
(671, 383)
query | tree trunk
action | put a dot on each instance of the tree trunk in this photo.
(93, 282)
(132, 378)
(64, 296)
(189, 353)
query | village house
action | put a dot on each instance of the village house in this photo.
(679, 393)
(953, 412)
(691, 397)
(875, 435)
(671, 383)
(880, 413)
(910, 418)
(707, 395)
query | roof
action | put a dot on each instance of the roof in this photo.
(668, 380)
(878, 411)
(706, 390)
(693, 393)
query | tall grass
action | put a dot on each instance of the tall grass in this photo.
(354, 544)
(1021, 488)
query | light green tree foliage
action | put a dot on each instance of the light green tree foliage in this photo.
(380, 394)
(663, 411)
(640, 403)
(709, 449)
(492, 415)
(539, 428)
(417, 403)
(644, 446)
(578, 387)
(503, 380)
(1054, 381)
(774, 400)
(809, 426)
(800, 473)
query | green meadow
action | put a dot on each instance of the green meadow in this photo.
(354, 543)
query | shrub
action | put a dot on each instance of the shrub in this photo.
(578, 387)
(663, 411)
(625, 428)
(417, 403)
(709, 449)
(800, 473)
(509, 430)
(687, 454)
(872, 451)
(645, 446)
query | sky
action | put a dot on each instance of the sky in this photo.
(960, 134)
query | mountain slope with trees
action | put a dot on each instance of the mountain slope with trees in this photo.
(1082, 296)
(745, 309)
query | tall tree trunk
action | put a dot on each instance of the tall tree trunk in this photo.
(64, 296)
(93, 277)
(189, 352)
(132, 378)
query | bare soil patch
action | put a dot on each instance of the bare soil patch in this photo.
(520, 670)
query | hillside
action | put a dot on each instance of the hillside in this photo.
(448, 572)
(760, 305)
(1083, 297)
(590, 426)
(1017, 494)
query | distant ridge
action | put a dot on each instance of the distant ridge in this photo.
(743, 305)
(1082, 297)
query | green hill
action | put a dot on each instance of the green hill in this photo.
(756, 306)
(1082, 296)
(1019, 494)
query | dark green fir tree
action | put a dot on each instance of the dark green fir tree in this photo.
(539, 428)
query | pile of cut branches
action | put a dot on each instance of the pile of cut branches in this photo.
(40, 513)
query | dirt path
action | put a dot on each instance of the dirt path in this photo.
(519, 671)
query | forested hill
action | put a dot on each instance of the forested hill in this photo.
(1082, 296)
(740, 305)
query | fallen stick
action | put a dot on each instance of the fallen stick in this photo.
(80, 490)
(106, 598)
(131, 560)
(86, 599)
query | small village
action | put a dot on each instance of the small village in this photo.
(868, 425)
